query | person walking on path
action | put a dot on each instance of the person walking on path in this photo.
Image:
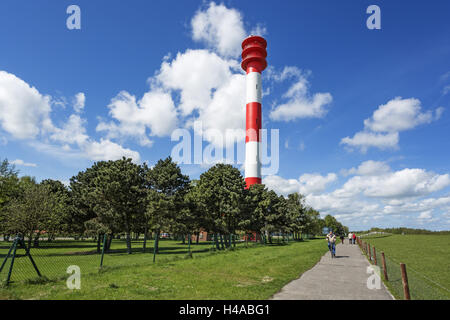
(331, 238)
(342, 238)
(350, 238)
(354, 238)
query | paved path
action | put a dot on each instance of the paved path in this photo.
(343, 277)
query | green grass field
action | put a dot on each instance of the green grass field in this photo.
(427, 259)
(256, 272)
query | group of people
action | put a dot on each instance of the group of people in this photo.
(331, 238)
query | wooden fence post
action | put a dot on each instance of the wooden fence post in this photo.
(374, 256)
(405, 281)
(370, 253)
(384, 267)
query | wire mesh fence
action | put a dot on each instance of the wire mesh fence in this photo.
(420, 286)
(52, 257)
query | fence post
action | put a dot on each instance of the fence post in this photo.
(6, 257)
(154, 246)
(12, 260)
(384, 267)
(405, 281)
(370, 253)
(105, 236)
(374, 256)
(27, 252)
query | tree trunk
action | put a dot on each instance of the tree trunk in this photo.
(157, 240)
(221, 242)
(198, 238)
(128, 243)
(109, 241)
(36, 241)
(216, 241)
(136, 236)
(145, 240)
(184, 239)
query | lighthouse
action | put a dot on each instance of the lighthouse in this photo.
(253, 62)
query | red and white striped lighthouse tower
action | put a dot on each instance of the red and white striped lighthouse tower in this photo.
(253, 62)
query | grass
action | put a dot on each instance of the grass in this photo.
(256, 272)
(427, 259)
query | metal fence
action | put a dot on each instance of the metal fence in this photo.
(30, 261)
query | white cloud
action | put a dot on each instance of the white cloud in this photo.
(373, 194)
(425, 215)
(305, 184)
(217, 98)
(369, 168)
(221, 28)
(315, 183)
(79, 102)
(398, 115)
(399, 184)
(24, 112)
(196, 74)
(72, 132)
(19, 162)
(155, 111)
(365, 140)
(300, 103)
(382, 129)
(108, 150)
(281, 185)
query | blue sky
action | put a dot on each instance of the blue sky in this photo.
(362, 114)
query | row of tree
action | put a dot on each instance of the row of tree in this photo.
(121, 197)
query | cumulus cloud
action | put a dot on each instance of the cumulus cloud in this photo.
(19, 162)
(365, 140)
(108, 150)
(24, 112)
(79, 102)
(371, 192)
(382, 129)
(368, 168)
(305, 184)
(300, 103)
(196, 74)
(221, 28)
(399, 184)
(398, 115)
(154, 112)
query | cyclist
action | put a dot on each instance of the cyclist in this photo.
(331, 238)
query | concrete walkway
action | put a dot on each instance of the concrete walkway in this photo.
(340, 278)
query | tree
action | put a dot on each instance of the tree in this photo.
(268, 211)
(9, 188)
(297, 218)
(256, 208)
(31, 214)
(167, 187)
(192, 217)
(82, 200)
(59, 221)
(119, 195)
(221, 192)
(314, 224)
